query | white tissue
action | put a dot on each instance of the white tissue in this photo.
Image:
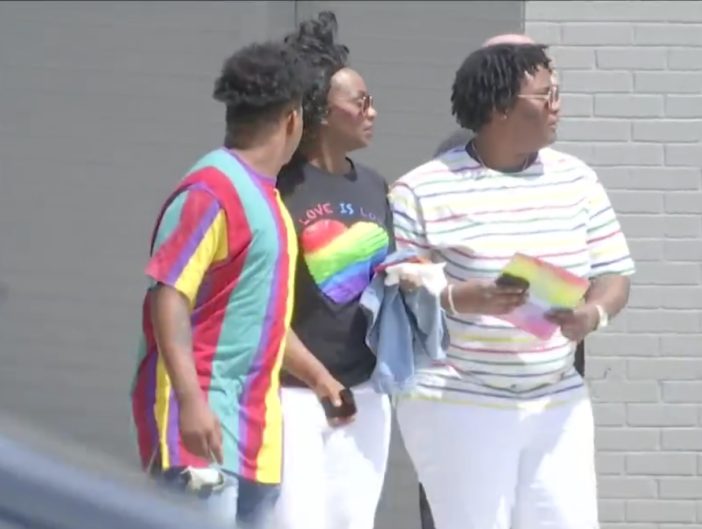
(428, 275)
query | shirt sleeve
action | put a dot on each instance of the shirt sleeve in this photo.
(191, 237)
(607, 246)
(408, 222)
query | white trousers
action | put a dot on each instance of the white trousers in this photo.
(504, 468)
(332, 477)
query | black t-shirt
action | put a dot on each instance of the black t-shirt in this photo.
(344, 230)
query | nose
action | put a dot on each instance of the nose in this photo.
(371, 113)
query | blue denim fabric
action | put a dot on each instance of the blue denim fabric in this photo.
(239, 504)
(405, 330)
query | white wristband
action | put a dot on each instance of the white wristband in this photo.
(449, 298)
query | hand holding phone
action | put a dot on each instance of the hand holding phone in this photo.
(347, 408)
(511, 281)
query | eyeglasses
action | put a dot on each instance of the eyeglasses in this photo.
(551, 98)
(365, 102)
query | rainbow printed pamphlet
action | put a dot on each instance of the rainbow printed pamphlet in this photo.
(550, 287)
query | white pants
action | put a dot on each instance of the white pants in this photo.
(504, 468)
(332, 477)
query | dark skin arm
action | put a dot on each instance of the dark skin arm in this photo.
(302, 364)
(475, 296)
(199, 427)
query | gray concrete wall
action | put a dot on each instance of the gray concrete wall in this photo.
(632, 76)
(103, 107)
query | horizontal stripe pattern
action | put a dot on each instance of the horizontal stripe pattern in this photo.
(474, 219)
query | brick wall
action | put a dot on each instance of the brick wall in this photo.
(632, 77)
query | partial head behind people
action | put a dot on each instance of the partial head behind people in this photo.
(262, 86)
(505, 93)
(338, 108)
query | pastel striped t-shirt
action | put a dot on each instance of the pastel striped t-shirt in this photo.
(232, 255)
(454, 210)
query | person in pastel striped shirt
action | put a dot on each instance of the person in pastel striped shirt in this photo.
(503, 437)
(205, 397)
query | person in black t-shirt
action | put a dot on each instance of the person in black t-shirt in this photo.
(333, 466)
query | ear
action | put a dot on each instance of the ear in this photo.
(291, 121)
(324, 120)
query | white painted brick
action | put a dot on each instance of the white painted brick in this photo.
(618, 345)
(629, 106)
(681, 439)
(608, 414)
(683, 106)
(646, 297)
(619, 391)
(607, 11)
(570, 57)
(647, 249)
(678, 321)
(636, 201)
(683, 203)
(661, 415)
(578, 149)
(666, 369)
(629, 525)
(611, 510)
(661, 511)
(642, 225)
(667, 82)
(648, 178)
(667, 35)
(660, 464)
(627, 154)
(682, 392)
(682, 250)
(684, 130)
(627, 487)
(600, 34)
(683, 155)
(611, 464)
(628, 439)
(610, 58)
(576, 105)
(545, 32)
(593, 130)
(601, 368)
(685, 59)
(680, 488)
(682, 226)
(667, 274)
(681, 298)
(682, 345)
(586, 81)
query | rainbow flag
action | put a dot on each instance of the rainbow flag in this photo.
(550, 287)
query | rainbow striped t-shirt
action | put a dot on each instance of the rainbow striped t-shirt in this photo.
(226, 242)
(474, 219)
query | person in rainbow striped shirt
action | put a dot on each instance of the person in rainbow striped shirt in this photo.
(205, 397)
(503, 436)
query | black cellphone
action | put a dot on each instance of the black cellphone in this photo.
(347, 408)
(509, 280)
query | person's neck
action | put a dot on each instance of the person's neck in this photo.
(495, 154)
(327, 158)
(262, 160)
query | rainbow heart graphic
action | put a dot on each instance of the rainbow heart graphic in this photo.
(341, 259)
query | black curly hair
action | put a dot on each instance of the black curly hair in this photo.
(257, 84)
(490, 79)
(314, 41)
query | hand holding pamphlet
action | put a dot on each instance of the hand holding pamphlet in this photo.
(550, 288)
